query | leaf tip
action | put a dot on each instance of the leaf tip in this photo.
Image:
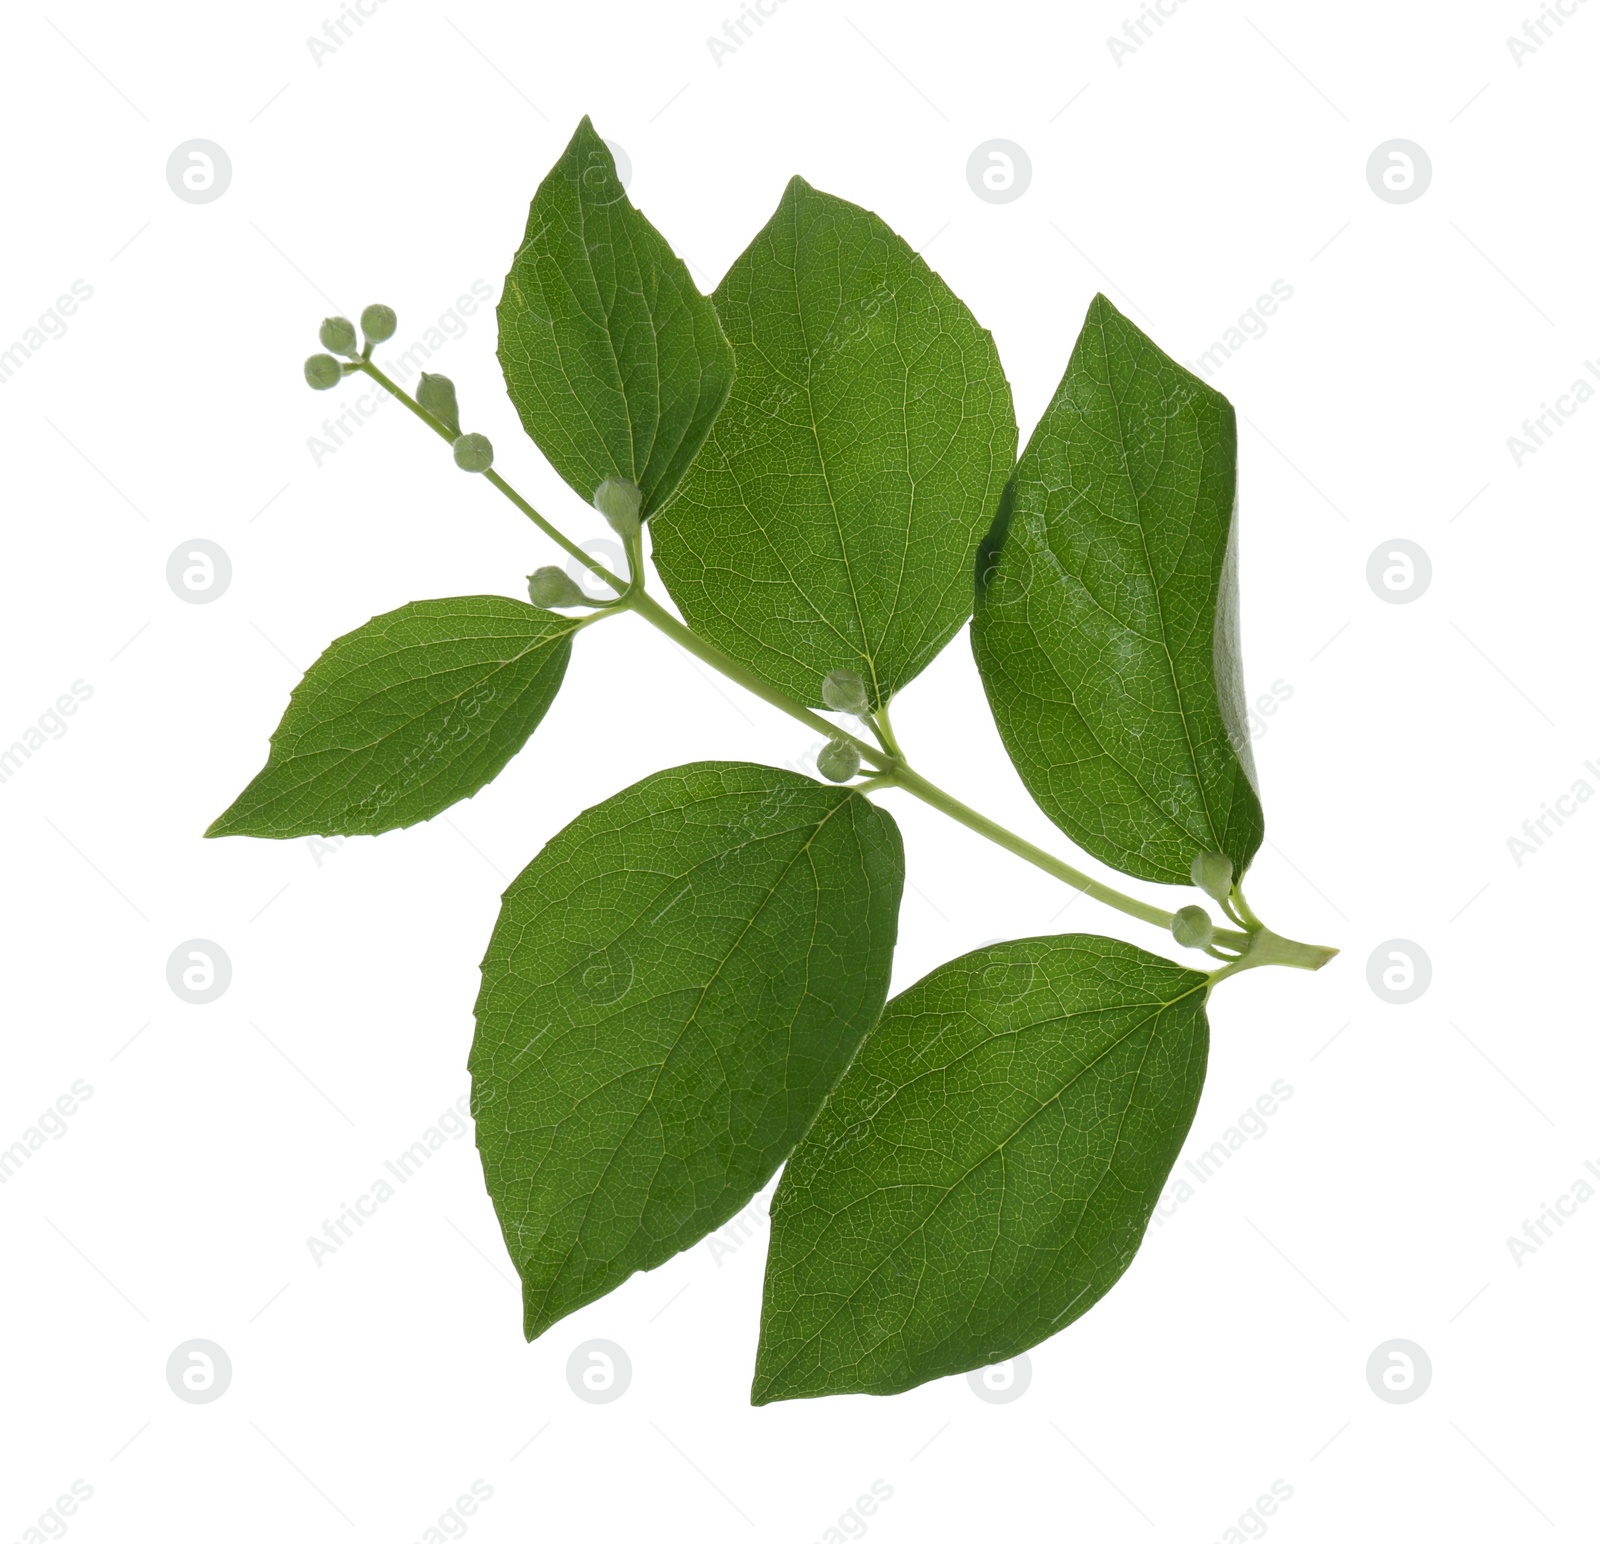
(226, 824)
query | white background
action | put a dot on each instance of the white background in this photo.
(1227, 152)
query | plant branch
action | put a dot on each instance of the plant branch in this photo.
(919, 787)
(663, 620)
(493, 477)
(887, 764)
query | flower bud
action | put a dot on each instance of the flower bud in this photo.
(552, 586)
(323, 371)
(618, 500)
(1213, 873)
(377, 324)
(845, 692)
(838, 761)
(1192, 927)
(338, 335)
(473, 453)
(436, 394)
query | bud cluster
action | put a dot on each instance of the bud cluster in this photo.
(436, 394)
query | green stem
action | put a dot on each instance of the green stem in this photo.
(1258, 946)
(663, 620)
(889, 771)
(919, 787)
(1242, 908)
(594, 566)
(885, 732)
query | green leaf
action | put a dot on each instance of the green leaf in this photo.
(673, 986)
(986, 1169)
(613, 359)
(832, 519)
(1107, 629)
(398, 720)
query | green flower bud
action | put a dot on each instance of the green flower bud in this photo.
(338, 335)
(322, 371)
(474, 453)
(377, 324)
(618, 500)
(552, 586)
(1213, 873)
(838, 761)
(1192, 927)
(436, 394)
(845, 692)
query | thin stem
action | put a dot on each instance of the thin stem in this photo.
(1258, 946)
(496, 480)
(885, 732)
(1242, 910)
(658, 617)
(918, 786)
